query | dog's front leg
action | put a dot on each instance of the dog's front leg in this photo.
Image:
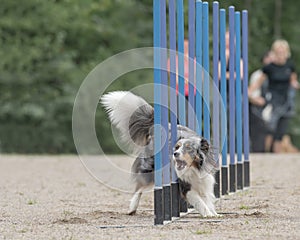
(209, 201)
(195, 200)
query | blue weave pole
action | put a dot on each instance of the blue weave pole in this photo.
(191, 98)
(175, 195)
(173, 97)
(206, 108)
(245, 98)
(181, 80)
(232, 165)
(158, 197)
(238, 89)
(223, 87)
(167, 202)
(199, 70)
(164, 115)
(238, 93)
(216, 108)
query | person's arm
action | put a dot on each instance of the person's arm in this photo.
(255, 98)
(242, 69)
(241, 72)
(259, 101)
(294, 81)
(257, 84)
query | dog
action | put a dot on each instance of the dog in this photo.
(192, 154)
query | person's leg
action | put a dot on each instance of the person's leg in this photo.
(288, 145)
(257, 133)
(268, 142)
(281, 130)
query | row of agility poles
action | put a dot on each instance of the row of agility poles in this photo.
(234, 142)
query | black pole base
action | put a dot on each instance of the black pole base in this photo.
(175, 199)
(224, 174)
(240, 176)
(167, 202)
(232, 177)
(183, 205)
(217, 185)
(158, 207)
(246, 173)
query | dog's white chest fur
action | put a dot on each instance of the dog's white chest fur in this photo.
(200, 180)
(200, 194)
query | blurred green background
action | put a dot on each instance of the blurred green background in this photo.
(47, 47)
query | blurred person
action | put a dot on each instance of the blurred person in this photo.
(260, 139)
(281, 75)
(227, 58)
(227, 55)
(186, 69)
(186, 74)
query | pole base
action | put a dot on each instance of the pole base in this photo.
(246, 173)
(167, 202)
(240, 176)
(224, 174)
(158, 207)
(175, 199)
(183, 205)
(217, 185)
(232, 177)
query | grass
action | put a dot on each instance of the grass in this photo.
(67, 213)
(31, 202)
(202, 232)
(81, 184)
(244, 207)
(24, 230)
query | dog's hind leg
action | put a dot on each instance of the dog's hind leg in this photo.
(143, 176)
(134, 202)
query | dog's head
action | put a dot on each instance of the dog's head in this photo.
(191, 152)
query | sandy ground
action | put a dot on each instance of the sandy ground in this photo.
(54, 197)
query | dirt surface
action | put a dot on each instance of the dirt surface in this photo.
(54, 197)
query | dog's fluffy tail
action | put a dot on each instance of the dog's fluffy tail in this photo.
(131, 114)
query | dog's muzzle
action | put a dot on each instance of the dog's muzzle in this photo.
(180, 164)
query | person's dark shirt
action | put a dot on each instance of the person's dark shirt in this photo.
(279, 77)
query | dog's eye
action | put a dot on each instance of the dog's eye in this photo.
(177, 147)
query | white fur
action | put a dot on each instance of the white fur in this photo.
(134, 202)
(120, 105)
(201, 195)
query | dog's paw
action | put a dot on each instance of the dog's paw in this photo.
(216, 215)
(206, 213)
(211, 214)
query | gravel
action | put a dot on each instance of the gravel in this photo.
(54, 197)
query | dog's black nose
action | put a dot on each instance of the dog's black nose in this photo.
(176, 154)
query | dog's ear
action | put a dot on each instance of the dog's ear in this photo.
(180, 137)
(199, 159)
(199, 150)
(204, 145)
